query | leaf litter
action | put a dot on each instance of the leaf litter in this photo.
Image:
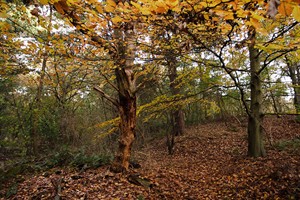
(209, 162)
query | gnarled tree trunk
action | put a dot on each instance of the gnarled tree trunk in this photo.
(126, 85)
(127, 112)
(122, 51)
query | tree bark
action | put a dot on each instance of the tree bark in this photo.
(127, 113)
(122, 51)
(295, 76)
(276, 109)
(255, 139)
(177, 114)
(179, 124)
(126, 84)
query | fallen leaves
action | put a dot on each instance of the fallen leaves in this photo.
(209, 162)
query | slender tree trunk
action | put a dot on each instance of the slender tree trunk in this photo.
(297, 98)
(37, 104)
(36, 109)
(255, 139)
(177, 114)
(272, 95)
(179, 124)
(170, 135)
(295, 76)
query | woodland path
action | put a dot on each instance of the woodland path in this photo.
(209, 162)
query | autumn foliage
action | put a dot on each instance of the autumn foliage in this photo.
(82, 80)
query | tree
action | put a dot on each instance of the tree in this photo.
(120, 30)
(117, 38)
(255, 140)
(293, 71)
(172, 63)
(226, 28)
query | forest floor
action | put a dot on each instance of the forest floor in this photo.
(209, 162)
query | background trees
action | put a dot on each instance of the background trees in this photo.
(160, 62)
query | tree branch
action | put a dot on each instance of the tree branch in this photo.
(106, 96)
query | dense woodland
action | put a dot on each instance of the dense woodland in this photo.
(154, 99)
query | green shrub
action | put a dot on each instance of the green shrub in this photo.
(82, 160)
(60, 158)
(290, 145)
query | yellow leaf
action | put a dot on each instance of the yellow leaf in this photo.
(198, 7)
(255, 23)
(226, 28)
(146, 12)
(275, 46)
(44, 2)
(172, 3)
(161, 6)
(116, 19)
(285, 8)
(177, 9)
(263, 31)
(4, 26)
(160, 3)
(3, 15)
(229, 17)
(109, 8)
(256, 16)
(225, 14)
(40, 39)
(241, 13)
(296, 13)
(206, 16)
(23, 8)
(99, 9)
(111, 3)
(138, 6)
(215, 19)
(160, 10)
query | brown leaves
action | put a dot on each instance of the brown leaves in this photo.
(35, 12)
(284, 7)
(209, 163)
(61, 7)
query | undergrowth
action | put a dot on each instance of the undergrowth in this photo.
(292, 145)
(78, 160)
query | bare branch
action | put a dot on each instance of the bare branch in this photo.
(106, 96)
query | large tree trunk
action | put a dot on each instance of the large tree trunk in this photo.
(255, 139)
(122, 51)
(127, 112)
(126, 85)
